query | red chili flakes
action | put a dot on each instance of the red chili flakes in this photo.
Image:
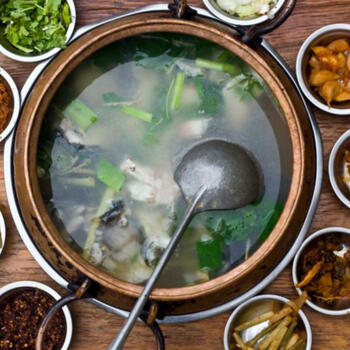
(5, 107)
(21, 314)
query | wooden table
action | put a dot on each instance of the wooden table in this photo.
(94, 328)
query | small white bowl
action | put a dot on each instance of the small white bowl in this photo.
(333, 168)
(17, 55)
(295, 265)
(266, 297)
(333, 31)
(214, 8)
(16, 102)
(2, 233)
(32, 284)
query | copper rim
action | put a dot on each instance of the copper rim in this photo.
(27, 186)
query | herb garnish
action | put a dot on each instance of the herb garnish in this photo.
(35, 26)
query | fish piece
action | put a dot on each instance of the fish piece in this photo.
(147, 186)
(194, 128)
(127, 253)
(114, 214)
(116, 237)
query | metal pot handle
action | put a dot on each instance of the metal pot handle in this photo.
(180, 9)
(78, 294)
(84, 291)
(253, 32)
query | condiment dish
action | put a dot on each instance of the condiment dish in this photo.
(10, 85)
(322, 36)
(8, 50)
(258, 301)
(336, 168)
(296, 279)
(214, 8)
(12, 287)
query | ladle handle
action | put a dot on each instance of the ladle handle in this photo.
(119, 341)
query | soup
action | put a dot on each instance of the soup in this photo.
(114, 133)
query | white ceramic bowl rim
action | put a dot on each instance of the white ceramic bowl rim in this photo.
(32, 284)
(267, 297)
(301, 53)
(331, 168)
(16, 104)
(241, 21)
(48, 54)
(324, 231)
(2, 232)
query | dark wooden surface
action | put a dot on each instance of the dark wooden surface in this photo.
(94, 328)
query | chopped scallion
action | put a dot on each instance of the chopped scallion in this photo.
(137, 113)
(220, 66)
(110, 175)
(179, 84)
(80, 114)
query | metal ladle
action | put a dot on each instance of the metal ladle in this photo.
(213, 175)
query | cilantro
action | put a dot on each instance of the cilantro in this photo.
(35, 26)
(209, 254)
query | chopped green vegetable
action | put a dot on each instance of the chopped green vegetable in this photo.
(199, 87)
(209, 254)
(220, 66)
(80, 114)
(137, 113)
(110, 175)
(248, 86)
(35, 25)
(179, 84)
(244, 222)
(167, 114)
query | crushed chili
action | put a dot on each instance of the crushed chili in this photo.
(21, 314)
(5, 106)
(324, 271)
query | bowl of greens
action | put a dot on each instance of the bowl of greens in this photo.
(34, 30)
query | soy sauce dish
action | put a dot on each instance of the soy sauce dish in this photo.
(23, 305)
(268, 322)
(339, 168)
(320, 268)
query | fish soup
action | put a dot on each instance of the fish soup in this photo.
(111, 140)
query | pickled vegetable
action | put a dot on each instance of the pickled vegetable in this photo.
(330, 71)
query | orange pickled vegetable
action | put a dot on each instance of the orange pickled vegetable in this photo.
(314, 62)
(339, 45)
(329, 90)
(319, 77)
(342, 97)
(330, 71)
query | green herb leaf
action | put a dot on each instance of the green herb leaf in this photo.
(110, 175)
(209, 254)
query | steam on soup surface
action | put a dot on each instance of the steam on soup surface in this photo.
(114, 134)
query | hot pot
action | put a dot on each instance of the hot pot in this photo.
(170, 304)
